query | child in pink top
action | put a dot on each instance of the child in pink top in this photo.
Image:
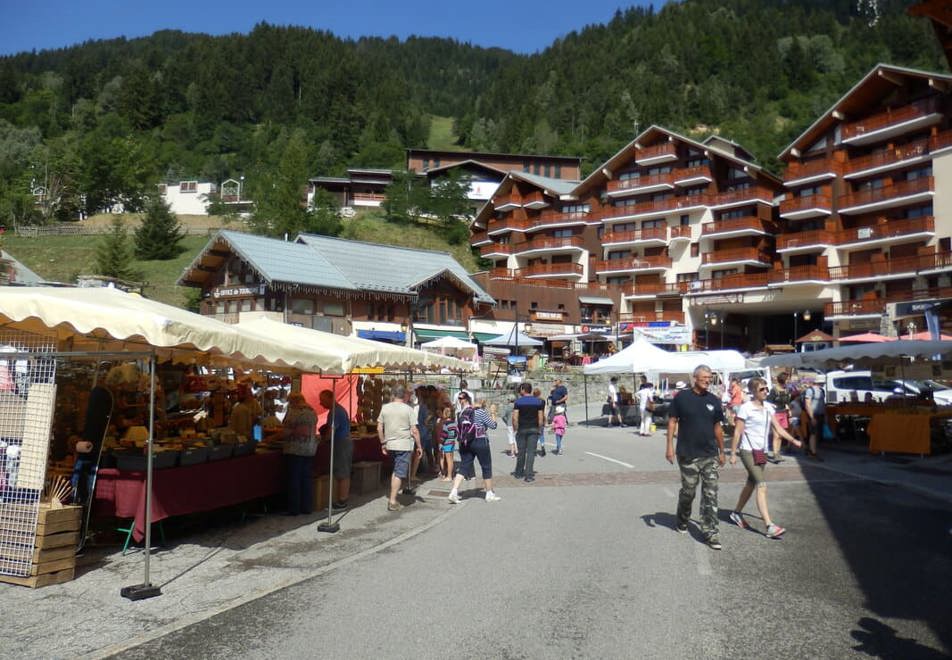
(558, 427)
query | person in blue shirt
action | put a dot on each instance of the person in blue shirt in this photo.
(343, 448)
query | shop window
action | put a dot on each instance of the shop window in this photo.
(246, 305)
(220, 307)
(333, 309)
(302, 306)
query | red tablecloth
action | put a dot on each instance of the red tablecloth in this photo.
(206, 486)
(189, 489)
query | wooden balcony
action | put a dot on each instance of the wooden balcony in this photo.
(743, 196)
(650, 235)
(800, 274)
(692, 176)
(508, 224)
(644, 288)
(811, 169)
(503, 273)
(729, 282)
(478, 238)
(806, 206)
(652, 317)
(886, 230)
(534, 200)
(681, 232)
(747, 225)
(548, 270)
(801, 239)
(877, 269)
(657, 154)
(657, 207)
(941, 141)
(898, 194)
(854, 308)
(886, 158)
(735, 255)
(507, 202)
(643, 183)
(496, 248)
(883, 120)
(671, 315)
(545, 220)
(654, 262)
(549, 243)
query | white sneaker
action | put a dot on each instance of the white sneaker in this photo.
(492, 497)
(454, 498)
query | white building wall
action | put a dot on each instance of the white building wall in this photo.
(942, 202)
(189, 203)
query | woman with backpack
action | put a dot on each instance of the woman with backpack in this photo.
(752, 426)
(472, 429)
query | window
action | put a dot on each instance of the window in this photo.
(575, 209)
(436, 162)
(426, 164)
(685, 220)
(526, 166)
(302, 306)
(246, 305)
(548, 170)
(562, 233)
(919, 211)
(533, 305)
(188, 186)
(618, 281)
(687, 277)
(698, 162)
(695, 249)
(661, 169)
(912, 175)
(333, 309)
(619, 254)
(653, 224)
(558, 172)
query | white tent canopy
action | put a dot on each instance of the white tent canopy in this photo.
(514, 339)
(832, 357)
(449, 343)
(640, 357)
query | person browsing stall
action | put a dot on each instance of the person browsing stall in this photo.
(399, 439)
(343, 448)
(300, 445)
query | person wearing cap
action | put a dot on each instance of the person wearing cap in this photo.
(300, 445)
(814, 410)
(559, 424)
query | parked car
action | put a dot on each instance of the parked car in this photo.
(841, 386)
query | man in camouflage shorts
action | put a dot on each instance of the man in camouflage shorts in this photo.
(696, 417)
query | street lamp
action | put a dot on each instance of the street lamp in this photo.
(711, 318)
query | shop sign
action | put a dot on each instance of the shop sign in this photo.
(916, 308)
(604, 329)
(547, 316)
(236, 291)
(672, 334)
(544, 330)
(628, 326)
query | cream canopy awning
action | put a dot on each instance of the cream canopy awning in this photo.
(355, 352)
(110, 320)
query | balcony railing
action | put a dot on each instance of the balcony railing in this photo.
(812, 168)
(873, 195)
(513, 200)
(742, 195)
(804, 238)
(644, 288)
(617, 185)
(887, 229)
(537, 270)
(854, 308)
(750, 223)
(734, 255)
(876, 269)
(800, 274)
(650, 234)
(888, 157)
(668, 150)
(806, 203)
(688, 175)
(496, 248)
(883, 119)
(940, 141)
(503, 273)
(508, 224)
(546, 219)
(738, 281)
(657, 207)
(671, 315)
(534, 199)
(633, 263)
(651, 317)
(550, 243)
(681, 231)
(478, 237)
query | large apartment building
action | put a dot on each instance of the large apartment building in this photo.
(695, 237)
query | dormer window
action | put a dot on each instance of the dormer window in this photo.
(188, 186)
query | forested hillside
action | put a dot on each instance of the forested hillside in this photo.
(105, 120)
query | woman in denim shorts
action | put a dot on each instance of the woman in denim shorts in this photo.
(752, 427)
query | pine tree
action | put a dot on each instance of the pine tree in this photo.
(114, 254)
(160, 234)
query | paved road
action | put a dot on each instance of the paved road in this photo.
(585, 563)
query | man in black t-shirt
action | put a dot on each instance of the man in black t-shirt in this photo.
(696, 417)
(527, 420)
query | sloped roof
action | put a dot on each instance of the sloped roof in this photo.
(274, 259)
(552, 185)
(375, 267)
(623, 154)
(465, 163)
(877, 83)
(22, 274)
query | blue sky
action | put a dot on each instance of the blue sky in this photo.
(520, 25)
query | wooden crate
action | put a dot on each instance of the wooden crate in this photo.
(321, 484)
(42, 580)
(365, 477)
(53, 549)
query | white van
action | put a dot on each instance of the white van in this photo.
(840, 386)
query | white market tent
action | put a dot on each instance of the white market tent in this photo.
(449, 344)
(640, 357)
(514, 339)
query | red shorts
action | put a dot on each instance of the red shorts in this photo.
(783, 418)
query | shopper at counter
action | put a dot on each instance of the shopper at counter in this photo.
(245, 413)
(343, 448)
(399, 438)
(300, 445)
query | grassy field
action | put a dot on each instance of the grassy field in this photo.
(63, 258)
(442, 135)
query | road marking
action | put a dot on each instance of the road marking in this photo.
(613, 460)
(702, 555)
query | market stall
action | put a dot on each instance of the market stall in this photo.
(902, 428)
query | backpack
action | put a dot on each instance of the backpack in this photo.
(466, 423)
